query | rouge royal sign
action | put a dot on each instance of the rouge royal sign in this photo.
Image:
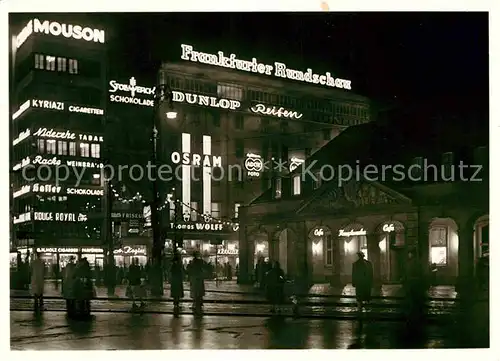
(279, 70)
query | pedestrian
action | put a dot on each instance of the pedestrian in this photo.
(176, 281)
(68, 286)
(134, 282)
(414, 287)
(275, 284)
(38, 282)
(362, 280)
(197, 281)
(84, 288)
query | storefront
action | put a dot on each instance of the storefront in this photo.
(94, 255)
(321, 236)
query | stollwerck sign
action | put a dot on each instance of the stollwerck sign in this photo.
(279, 69)
(132, 89)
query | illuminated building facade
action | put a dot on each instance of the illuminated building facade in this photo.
(393, 202)
(231, 122)
(58, 105)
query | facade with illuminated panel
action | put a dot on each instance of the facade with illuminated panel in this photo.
(58, 103)
(246, 110)
(318, 231)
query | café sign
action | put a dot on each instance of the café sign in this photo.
(388, 228)
(278, 69)
(128, 251)
(343, 233)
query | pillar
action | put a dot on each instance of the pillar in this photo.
(422, 246)
(374, 256)
(465, 259)
(338, 260)
(243, 248)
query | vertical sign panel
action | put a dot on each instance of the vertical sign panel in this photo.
(207, 177)
(186, 175)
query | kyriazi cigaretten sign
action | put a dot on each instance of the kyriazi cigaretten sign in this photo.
(279, 69)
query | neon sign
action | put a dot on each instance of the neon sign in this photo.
(295, 163)
(56, 29)
(23, 163)
(351, 233)
(274, 111)
(60, 217)
(253, 66)
(54, 105)
(319, 232)
(22, 136)
(198, 226)
(195, 159)
(388, 228)
(254, 164)
(205, 100)
(127, 250)
(131, 88)
(25, 217)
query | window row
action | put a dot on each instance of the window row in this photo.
(241, 93)
(53, 63)
(62, 147)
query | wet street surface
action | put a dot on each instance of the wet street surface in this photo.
(122, 331)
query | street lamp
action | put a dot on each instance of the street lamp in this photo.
(162, 94)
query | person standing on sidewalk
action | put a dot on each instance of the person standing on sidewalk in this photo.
(196, 273)
(68, 287)
(134, 281)
(38, 282)
(275, 286)
(176, 281)
(362, 280)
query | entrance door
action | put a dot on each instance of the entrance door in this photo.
(397, 265)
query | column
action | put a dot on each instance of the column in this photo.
(422, 246)
(374, 256)
(338, 260)
(243, 248)
(465, 259)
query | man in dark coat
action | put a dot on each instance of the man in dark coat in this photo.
(176, 274)
(196, 272)
(362, 279)
(275, 282)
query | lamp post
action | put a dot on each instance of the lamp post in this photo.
(162, 94)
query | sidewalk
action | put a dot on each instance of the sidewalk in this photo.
(230, 290)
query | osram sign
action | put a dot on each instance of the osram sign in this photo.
(54, 28)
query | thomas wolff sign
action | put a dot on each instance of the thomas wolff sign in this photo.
(132, 89)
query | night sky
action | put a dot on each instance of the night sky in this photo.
(431, 63)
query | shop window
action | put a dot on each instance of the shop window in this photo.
(95, 150)
(239, 148)
(51, 146)
(296, 185)
(329, 250)
(84, 149)
(62, 147)
(41, 146)
(73, 66)
(50, 63)
(363, 245)
(194, 211)
(72, 148)
(236, 209)
(277, 188)
(438, 238)
(216, 210)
